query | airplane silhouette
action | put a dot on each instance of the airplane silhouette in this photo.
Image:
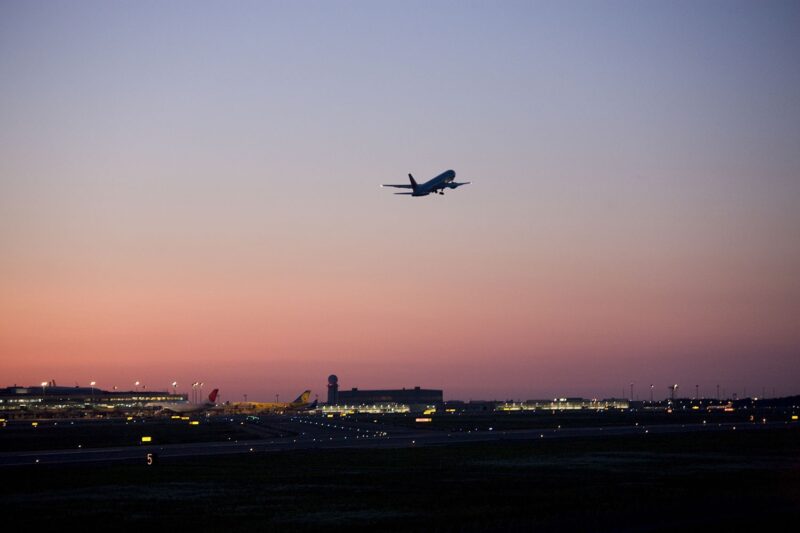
(436, 185)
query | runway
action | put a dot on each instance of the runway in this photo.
(312, 433)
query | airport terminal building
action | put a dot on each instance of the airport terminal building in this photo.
(415, 396)
(382, 400)
(52, 400)
(565, 404)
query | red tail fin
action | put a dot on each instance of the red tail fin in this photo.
(213, 396)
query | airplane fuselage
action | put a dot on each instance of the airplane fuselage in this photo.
(436, 184)
(181, 408)
(186, 407)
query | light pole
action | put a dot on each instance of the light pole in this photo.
(194, 391)
(136, 386)
(174, 387)
(631, 392)
(92, 384)
(651, 393)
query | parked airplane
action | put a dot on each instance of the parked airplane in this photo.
(186, 407)
(436, 185)
(300, 403)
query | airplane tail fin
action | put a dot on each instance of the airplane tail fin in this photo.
(303, 398)
(413, 182)
(213, 396)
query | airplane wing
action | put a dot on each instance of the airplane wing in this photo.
(454, 184)
(408, 193)
(406, 186)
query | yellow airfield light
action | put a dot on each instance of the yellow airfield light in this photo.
(426, 419)
(194, 423)
(129, 418)
(794, 417)
(184, 418)
(175, 417)
(34, 424)
(147, 439)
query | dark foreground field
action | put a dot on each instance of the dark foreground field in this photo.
(721, 481)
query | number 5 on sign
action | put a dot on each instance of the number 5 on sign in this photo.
(150, 458)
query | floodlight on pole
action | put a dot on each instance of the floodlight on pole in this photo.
(672, 389)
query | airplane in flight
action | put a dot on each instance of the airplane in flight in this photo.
(186, 407)
(299, 404)
(436, 185)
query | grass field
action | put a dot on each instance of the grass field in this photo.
(680, 482)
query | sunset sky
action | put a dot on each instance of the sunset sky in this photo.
(190, 191)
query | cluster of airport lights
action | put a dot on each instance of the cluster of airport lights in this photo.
(367, 433)
(92, 384)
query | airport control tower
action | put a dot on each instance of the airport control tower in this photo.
(333, 390)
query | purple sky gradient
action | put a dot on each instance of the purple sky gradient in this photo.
(190, 191)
